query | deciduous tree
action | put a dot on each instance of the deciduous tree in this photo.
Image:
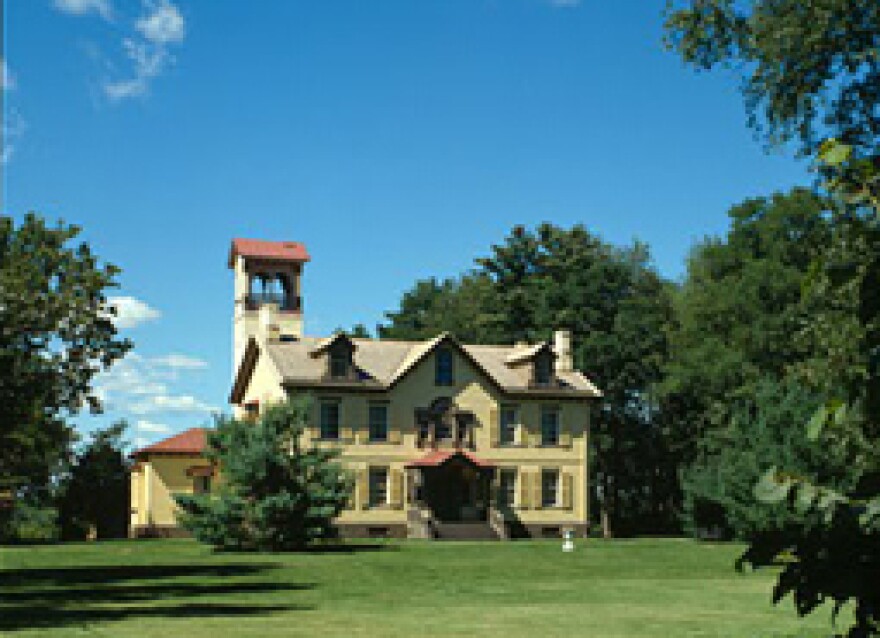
(56, 333)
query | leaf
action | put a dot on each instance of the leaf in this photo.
(772, 487)
(869, 519)
(840, 414)
(805, 497)
(834, 153)
(817, 423)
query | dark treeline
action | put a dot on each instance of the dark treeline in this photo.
(702, 379)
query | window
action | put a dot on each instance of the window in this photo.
(442, 429)
(378, 486)
(202, 484)
(330, 420)
(543, 369)
(507, 430)
(549, 488)
(378, 422)
(443, 367)
(252, 410)
(549, 426)
(340, 363)
(506, 487)
(424, 432)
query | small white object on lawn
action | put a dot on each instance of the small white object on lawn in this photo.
(568, 543)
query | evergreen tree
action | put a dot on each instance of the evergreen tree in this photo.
(273, 493)
(95, 492)
(719, 485)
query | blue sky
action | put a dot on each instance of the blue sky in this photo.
(397, 139)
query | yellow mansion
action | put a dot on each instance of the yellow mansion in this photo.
(446, 440)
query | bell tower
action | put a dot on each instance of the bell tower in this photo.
(268, 299)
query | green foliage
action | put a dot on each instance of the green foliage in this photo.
(719, 485)
(617, 309)
(94, 493)
(31, 520)
(809, 69)
(830, 552)
(55, 335)
(834, 554)
(273, 493)
(737, 312)
(359, 331)
(813, 69)
(466, 307)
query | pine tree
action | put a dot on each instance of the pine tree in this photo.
(273, 493)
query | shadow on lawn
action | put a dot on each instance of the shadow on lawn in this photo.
(44, 598)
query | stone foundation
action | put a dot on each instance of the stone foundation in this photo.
(372, 530)
(158, 531)
(552, 530)
(383, 530)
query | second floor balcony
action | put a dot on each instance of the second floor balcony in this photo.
(286, 303)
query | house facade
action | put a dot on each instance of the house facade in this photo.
(444, 439)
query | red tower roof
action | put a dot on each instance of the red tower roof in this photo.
(277, 250)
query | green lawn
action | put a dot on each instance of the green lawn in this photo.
(177, 588)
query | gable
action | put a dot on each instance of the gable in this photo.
(257, 378)
(424, 361)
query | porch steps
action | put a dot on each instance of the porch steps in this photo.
(464, 532)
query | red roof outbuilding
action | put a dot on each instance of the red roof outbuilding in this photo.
(277, 250)
(192, 441)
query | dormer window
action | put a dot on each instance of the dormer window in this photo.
(543, 369)
(340, 363)
(443, 367)
(338, 354)
(536, 364)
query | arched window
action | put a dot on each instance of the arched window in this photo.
(283, 287)
(443, 373)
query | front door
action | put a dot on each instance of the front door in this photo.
(455, 491)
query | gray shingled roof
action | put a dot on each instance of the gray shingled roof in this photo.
(382, 362)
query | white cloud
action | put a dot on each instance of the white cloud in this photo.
(177, 361)
(130, 377)
(84, 7)
(148, 60)
(13, 128)
(163, 24)
(7, 79)
(148, 52)
(152, 427)
(145, 385)
(131, 312)
(163, 403)
(145, 40)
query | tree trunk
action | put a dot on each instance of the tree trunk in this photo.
(606, 522)
(605, 508)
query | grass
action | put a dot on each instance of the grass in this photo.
(647, 587)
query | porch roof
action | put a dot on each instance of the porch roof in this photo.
(437, 458)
